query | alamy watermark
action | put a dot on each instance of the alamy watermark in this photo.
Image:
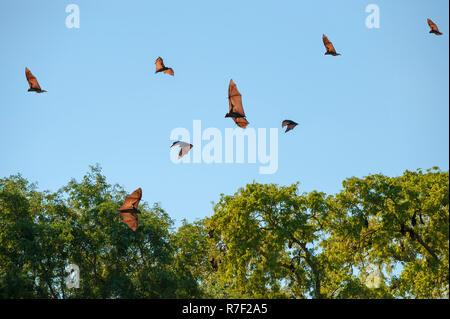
(73, 19)
(373, 19)
(210, 146)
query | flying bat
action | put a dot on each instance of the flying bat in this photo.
(290, 125)
(185, 148)
(236, 111)
(32, 81)
(129, 209)
(160, 67)
(433, 27)
(329, 46)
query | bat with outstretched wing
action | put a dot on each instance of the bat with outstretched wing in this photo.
(160, 67)
(236, 110)
(32, 82)
(185, 148)
(129, 210)
(290, 125)
(433, 27)
(329, 46)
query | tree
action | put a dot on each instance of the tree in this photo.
(379, 237)
(397, 223)
(272, 242)
(264, 238)
(41, 233)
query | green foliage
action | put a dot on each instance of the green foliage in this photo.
(42, 233)
(396, 223)
(273, 242)
(265, 241)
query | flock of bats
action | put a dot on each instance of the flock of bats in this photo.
(129, 210)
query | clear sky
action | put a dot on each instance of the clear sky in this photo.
(381, 107)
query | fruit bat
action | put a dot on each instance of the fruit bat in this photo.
(329, 46)
(413, 220)
(236, 111)
(32, 81)
(366, 222)
(402, 229)
(129, 209)
(214, 263)
(185, 148)
(433, 27)
(160, 67)
(290, 125)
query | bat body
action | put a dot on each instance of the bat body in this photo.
(433, 27)
(236, 110)
(290, 125)
(185, 148)
(329, 46)
(160, 67)
(32, 82)
(129, 210)
(413, 220)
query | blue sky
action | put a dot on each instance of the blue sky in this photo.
(381, 107)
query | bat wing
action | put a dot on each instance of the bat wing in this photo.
(235, 99)
(328, 45)
(285, 122)
(290, 125)
(32, 81)
(184, 149)
(132, 201)
(180, 144)
(432, 25)
(159, 64)
(169, 71)
(131, 219)
(288, 122)
(240, 121)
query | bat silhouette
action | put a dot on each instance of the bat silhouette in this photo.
(402, 229)
(160, 67)
(214, 263)
(290, 125)
(185, 148)
(32, 81)
(329, 46)
(433, 27)
(129, 209)
(414, 220)
(236, 111)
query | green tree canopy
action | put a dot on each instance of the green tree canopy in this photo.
(41, 233)
(379, 237)
(272, 241)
